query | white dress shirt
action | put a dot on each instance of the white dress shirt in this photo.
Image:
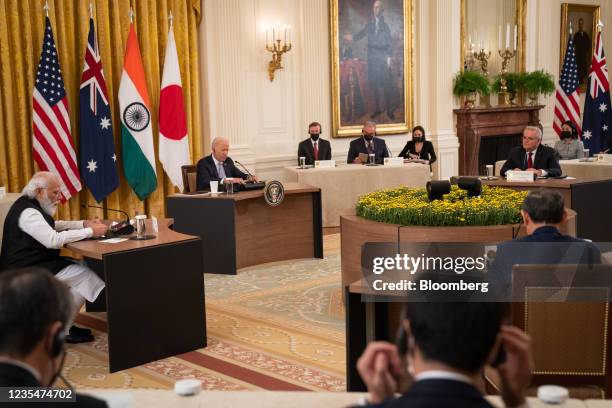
(32, 222)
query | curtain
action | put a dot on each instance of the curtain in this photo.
(21, 30)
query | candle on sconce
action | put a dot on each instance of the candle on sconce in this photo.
(507, 36)
(273, 34)
(499, 40)
(285, 34)
(267, 35)
(289, 35)
(515, 35)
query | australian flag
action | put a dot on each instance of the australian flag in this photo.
(597, 118)
(98, 158)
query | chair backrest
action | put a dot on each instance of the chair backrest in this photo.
(189, 173)
(570, 332)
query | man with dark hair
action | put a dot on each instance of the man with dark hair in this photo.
(314, 148)
(34, 310)
(367, 144)
(543, 211)
(445, 346)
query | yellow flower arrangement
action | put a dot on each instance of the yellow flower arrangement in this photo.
(409, 206)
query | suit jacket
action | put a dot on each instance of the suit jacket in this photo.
(14, 376)
(207, 172)
(427, 151)
(359, 146)
(434, 393)
(306, 150)
(545, 159)
(551, 247)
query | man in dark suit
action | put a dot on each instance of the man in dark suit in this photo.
(368, 143)
(34, 310)
(314, 148)
(445, 346)
(543, 211)
(533, 156)
(219, 167)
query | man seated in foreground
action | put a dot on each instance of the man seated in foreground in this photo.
(533, 156)
(543, 212)
(445, 347)
(34, 310)
(32, 237)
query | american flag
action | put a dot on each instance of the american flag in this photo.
(567, 105)
(597, 119)
(52, 145)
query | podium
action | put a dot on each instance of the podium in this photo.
(241, 230)
(154, 295)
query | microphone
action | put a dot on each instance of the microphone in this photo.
(245, 169)
(127, 217)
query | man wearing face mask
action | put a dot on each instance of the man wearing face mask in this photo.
(368, 144)
(569, 147)
(314, 148)
(32, 237)
(34, 309)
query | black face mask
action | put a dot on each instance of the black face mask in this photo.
(566, 134)
(368, 137)
(314, 136)
(417, 139)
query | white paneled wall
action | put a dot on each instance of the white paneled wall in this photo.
(265, 120)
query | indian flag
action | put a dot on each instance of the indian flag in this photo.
(173, 139)
(138, 152)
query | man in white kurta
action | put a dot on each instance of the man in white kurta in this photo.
(33, 238)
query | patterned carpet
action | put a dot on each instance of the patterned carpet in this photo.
(276, 327)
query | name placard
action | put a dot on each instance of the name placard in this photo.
(522, 176)
(325, 164)
(394, 161)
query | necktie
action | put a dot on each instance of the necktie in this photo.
(529, 160)
(369, 147)
(316, 151)
(221, 171)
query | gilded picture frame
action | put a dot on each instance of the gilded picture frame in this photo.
(371, 64)
(584, 36)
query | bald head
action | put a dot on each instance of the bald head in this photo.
(220, 148)
(45, 187)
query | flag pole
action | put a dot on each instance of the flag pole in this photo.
(170, 18)
(570, 28)
(90, 9)
(599, 26)
(131, 14)
(46, 8)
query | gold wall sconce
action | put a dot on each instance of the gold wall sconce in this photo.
(277, 48)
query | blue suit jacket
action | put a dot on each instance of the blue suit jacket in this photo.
(551, 247)
(358, 146)
(437, 393)
(207, 172)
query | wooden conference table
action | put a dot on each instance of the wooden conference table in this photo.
(241, 230)
(591, 198)
(342, 186)
(154, 295)
(580, 169)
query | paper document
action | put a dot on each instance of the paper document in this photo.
(114, 240)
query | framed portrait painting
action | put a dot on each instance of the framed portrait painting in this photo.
(371, 57)
(583, 19)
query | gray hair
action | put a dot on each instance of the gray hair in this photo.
(39, 180)
(215, 141)
(369, 122)
(535, 129)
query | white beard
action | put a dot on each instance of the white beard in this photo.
(48, 206)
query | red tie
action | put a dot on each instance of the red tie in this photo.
(529, 160)
(316, 151)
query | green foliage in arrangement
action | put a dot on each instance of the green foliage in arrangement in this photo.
(470, 81)
(410, 206)
(515, 81)
(539, 82)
